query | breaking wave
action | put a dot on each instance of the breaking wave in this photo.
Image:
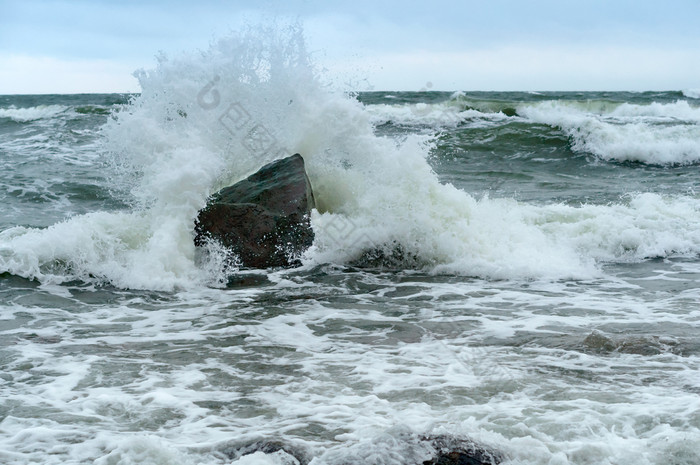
(23, 115)
(653, 134)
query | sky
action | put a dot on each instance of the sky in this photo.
(75, 46)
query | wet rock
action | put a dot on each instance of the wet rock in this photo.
(243, 281)
(642, 346)
(455, 451)
(264, 219)
(600, 342)
(401, 446)
(34, 337)
(387, 257)
(287, 452)
(637, 345)
(398, 447)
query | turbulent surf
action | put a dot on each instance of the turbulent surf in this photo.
(516, 269)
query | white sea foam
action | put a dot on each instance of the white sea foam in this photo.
(175, 381)
(143, 450)
(261, 458)
(692, 93)
(23, 115)
(128, 250)
(502, 238)
(678, 111)
(626, 132)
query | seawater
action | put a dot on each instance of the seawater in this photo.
(537, 292)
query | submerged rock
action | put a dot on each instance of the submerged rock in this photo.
(286, 452)
(637, 345)
(403, 448)
(263, 219)
(388, 256)
(454, 451)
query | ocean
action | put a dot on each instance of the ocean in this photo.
(517, 269)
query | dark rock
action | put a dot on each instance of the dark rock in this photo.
(638, 345)
(396, 448)
(242, 281)
(387, 257)
(599, 342)
(454, 451)
(263, 219)
(297, 452)
(459, 458)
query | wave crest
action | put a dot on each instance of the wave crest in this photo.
(654, 134)
(24, 115)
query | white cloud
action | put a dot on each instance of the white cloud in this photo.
(22, 74)
(526, 68)
(507, 68)
(365, 50)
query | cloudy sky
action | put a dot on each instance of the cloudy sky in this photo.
(67, 46)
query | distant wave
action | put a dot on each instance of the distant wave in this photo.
(654, 134)
(676, 111)
(23, 115)
(427, 114)
(692, 93)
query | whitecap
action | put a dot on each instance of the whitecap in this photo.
(653, 134)
(24, 115)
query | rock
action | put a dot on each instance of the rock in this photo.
(263, 219)
(387, 257)
(406, 449)
(287, 452)
(638, 345)
(454, 451)
(599, 342)
(460, 458)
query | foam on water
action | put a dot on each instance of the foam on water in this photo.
(23, 115)
(437, 115)
(506, 239)
(129, 250)
(692, 93)
(209, 369)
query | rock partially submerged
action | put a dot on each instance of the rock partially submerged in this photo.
(263, 219)
(287, 452)
(454, 451)
(405, 449)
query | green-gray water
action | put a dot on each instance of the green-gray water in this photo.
(547, 306)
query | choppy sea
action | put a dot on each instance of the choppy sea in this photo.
(539, 294)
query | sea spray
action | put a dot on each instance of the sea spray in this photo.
(172, 149)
